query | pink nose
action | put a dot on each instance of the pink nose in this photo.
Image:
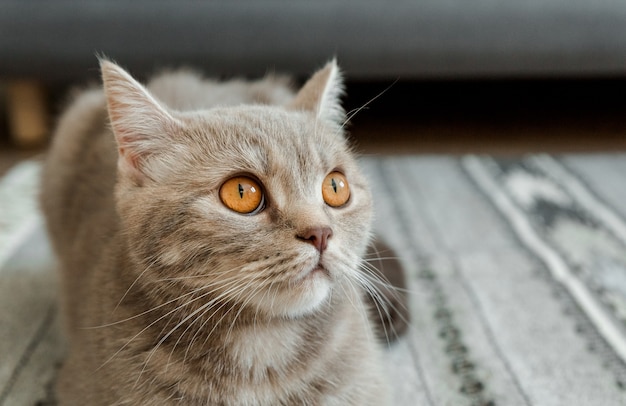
(318, 236)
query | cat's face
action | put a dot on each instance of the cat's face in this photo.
(259, 205)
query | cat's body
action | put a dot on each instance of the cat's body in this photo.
(171, 296)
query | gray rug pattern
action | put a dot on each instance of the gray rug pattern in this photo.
(517, 273)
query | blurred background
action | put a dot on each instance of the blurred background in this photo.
(456, 76)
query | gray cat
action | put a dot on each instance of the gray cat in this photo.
(211, 238)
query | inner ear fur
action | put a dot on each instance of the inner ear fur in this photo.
(321, 94)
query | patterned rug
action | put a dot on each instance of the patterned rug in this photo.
(517, 275)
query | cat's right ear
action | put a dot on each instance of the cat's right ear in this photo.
(321, 95)
(140, 123)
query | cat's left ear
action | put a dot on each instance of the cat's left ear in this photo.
(142, 126)
(321, 94)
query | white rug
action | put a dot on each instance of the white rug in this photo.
(517, 270)
(30, 345)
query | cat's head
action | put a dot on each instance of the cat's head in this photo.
(258, 205)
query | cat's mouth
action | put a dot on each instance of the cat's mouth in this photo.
(315, 272)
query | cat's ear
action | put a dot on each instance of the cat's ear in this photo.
(140, 123)
(321, 94)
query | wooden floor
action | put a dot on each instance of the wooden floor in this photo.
(485, 117)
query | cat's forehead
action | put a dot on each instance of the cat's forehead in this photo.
(270, 141)
(268, 123)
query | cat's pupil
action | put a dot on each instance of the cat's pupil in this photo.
(333, 184)
(240, 190)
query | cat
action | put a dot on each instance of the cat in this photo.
(211, 238)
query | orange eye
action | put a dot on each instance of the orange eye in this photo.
(242, 194)
(335, 189)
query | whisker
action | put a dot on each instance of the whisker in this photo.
(379, 304)
(355, 291)
(202, 308)
(373, 277)
(176, 309)
(217, 323)
(356, 111)
(203, 313)
(217, 283)
(372, 281)
(241, 307)
(133, 284)
(165, 337)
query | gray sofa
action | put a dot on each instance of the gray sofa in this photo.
(56, 40)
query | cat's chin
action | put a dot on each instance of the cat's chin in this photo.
(304, 295)
(309, 293)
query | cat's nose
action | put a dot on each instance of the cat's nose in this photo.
(318, 236)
